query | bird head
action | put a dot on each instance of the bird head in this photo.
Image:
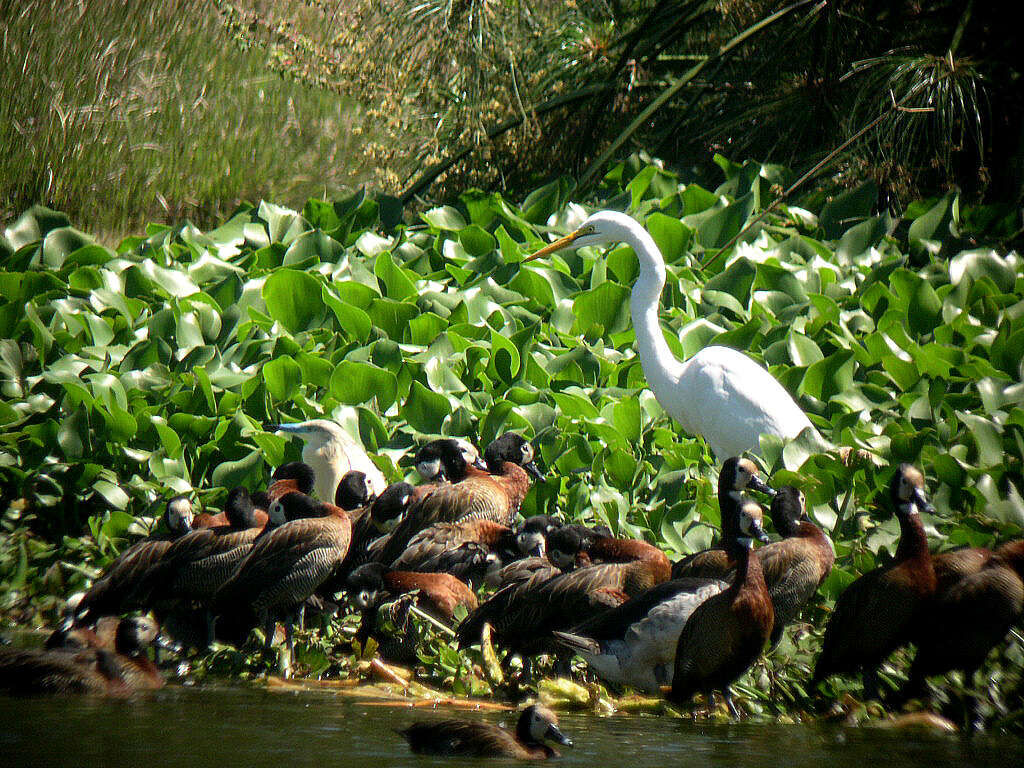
(601, 227)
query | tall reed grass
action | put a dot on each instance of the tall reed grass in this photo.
(122, 112)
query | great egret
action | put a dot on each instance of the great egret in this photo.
(719, 393)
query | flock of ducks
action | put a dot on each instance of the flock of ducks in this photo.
(331, 524)
(638, 620)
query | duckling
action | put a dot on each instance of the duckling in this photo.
(115, 593)
(576, 547)
(332, 452)
(966, 621)
(474, 493)
(726, 633)
(878, 612)
(283, 568)
(536, 729)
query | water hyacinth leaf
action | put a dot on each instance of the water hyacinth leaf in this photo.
(397, 284)
(425, 410)
(294, 299)
(352, 320)
(355, 383)
(605, 306)
(848, 208)
(312, 247)
(58, 244)
(670, 235)
(718, 227)
(929, 231)
(477, 241)
(444, 218)
(283, 377)
(246, 471)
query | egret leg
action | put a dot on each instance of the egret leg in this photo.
(269, 628)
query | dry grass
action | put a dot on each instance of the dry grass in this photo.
(123, 113)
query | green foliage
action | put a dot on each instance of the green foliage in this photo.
(132, 374)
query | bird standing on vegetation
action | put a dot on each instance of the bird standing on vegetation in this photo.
(283, 569)
(719, 393)
(332, 452)
(117, 592)
(727, 632)
(966, 621)
(878, 612)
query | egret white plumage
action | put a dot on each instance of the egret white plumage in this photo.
(719, 393)
(332, 452)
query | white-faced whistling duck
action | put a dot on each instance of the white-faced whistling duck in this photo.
(429, 461)
(966, 621)
(726, 633)
(474, 492)
(440, 594)
(524, 615)
(114, 666)
(468, 549)
(536, 730)
(736, 476)
(371, 585)
(519, 571)
(115, 592)
(200, 562)
(577, 547)
(795, 567)
(635, 643)
(332, 452)
(878, 612)
(283, 568)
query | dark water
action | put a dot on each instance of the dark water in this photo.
(222, 727)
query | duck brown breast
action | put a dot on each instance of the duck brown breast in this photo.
(725, 634)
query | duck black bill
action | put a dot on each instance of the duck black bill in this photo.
(555, 735)
(757, 484)
(534, 470)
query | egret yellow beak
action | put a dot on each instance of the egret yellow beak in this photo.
(555, 246)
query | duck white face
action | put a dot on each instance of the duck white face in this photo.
(751, 523)
(745, 475)
(276, 514)
(909, 490)
(531, 543)
(364, 599)
(543, 727)
(180, 514)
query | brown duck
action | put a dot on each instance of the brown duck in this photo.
(283, 568)
(878, 612)
(116, 592)
(493, 494)
(536, 729)
(727, 632)
(966, 621)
